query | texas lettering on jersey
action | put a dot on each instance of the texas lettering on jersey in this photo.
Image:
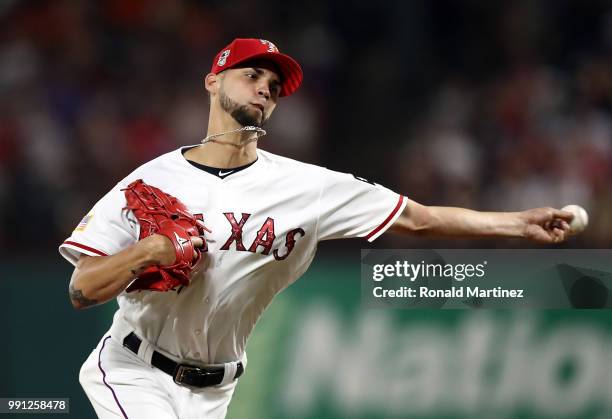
(265, 237)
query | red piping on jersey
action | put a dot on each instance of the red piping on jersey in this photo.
(89, 249)
(397, 207)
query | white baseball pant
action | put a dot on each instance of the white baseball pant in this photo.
(121, 385)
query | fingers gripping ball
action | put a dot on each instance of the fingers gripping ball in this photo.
(161, 213)
(580, 220)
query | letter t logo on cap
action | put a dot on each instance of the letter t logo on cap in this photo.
(271, 46)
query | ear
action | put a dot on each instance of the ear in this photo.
(211, 83)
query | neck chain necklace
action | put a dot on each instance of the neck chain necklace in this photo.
(260, 132)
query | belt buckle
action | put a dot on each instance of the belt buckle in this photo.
(180, 371)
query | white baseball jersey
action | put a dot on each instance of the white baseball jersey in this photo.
(266, 221)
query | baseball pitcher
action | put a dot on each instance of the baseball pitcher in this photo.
(196, 243)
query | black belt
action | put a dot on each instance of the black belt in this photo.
(181, 373)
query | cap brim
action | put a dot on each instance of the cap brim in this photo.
(291, 71)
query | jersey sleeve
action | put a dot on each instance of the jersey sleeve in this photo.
(355, 207)
(105, 230)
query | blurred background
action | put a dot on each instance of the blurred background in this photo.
(492, 105)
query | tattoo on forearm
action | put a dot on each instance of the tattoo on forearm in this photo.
(77, 295)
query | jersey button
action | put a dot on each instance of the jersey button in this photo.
(206, 300)
(198, 332)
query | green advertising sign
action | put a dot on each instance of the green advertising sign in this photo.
(317, 353)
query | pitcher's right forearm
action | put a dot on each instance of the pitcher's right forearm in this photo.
(98, 279)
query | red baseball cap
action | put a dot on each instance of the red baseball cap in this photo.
(241, 50)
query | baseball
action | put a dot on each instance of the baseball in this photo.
(581, 218)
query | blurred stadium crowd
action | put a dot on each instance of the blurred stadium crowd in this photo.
(488, 105)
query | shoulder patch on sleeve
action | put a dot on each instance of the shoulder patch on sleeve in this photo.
(83, 224)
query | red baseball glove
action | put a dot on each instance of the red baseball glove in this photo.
(161, 213)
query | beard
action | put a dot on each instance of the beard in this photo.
(243, 114)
